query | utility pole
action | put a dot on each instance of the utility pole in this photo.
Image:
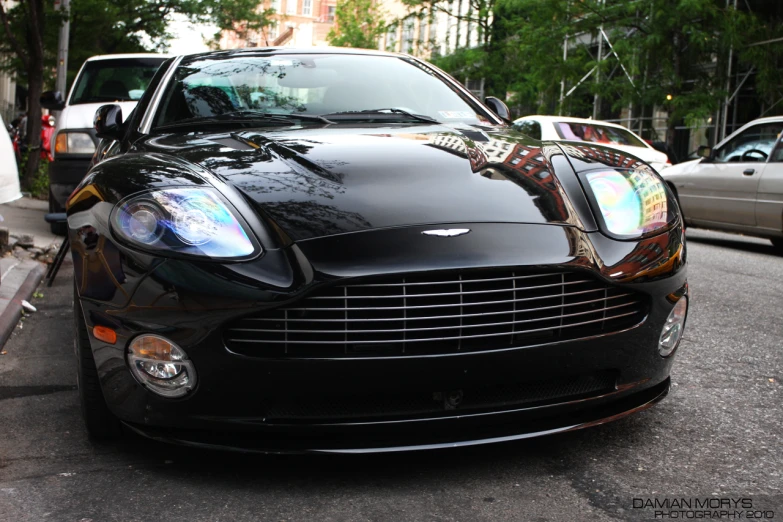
(62, 47)
(565, 58)
(596, 97)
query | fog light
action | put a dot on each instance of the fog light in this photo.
(674, 327)
(161, 366)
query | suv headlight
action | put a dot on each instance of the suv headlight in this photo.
(629, 203)
(73, 143)
(184, 221)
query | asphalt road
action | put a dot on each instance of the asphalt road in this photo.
(718, 435)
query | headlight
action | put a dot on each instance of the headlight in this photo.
(673, 328)
(630, 203)
(189, 221)
(162, 366)
(74, 143)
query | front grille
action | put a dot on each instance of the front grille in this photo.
(438, 313)
(410, 404)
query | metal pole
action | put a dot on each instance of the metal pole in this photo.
(596, 97)
(565, 57)
(62, 47)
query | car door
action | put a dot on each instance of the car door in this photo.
(769, 203)
(722, 189)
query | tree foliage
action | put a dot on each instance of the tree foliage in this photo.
(31, 28)
(669, 54)
(360, 23)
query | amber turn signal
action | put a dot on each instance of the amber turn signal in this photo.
(107, 335)
(61, 143)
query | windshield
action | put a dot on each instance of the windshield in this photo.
(121, 79)
(593, 133)
(310, 85)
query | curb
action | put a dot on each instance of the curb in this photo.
(13, 312)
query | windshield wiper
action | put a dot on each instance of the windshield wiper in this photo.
(243, 116)
(386, 112)
(272, 115)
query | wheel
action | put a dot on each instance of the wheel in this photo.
(99, 421)
(58, 229)
(777, 244)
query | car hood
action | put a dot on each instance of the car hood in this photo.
(681, 168)
(318, 181)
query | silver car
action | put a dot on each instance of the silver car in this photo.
(738, 186)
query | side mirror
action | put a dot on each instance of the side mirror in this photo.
(704, 151)
(53, 100)
(498, 107)
(108, 122)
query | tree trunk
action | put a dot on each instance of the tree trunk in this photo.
(34, 89)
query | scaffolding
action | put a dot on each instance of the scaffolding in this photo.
(739, 106)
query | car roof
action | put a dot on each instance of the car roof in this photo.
(569, 119)
(130, 55)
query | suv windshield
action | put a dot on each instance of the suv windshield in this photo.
(391, 87)
(120, 79)
(593, 133)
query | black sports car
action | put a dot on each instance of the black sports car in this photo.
(346, 251)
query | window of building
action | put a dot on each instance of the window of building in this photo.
(307, 7)
(407, 35)
(330, 13)
(275, 5)
(271, 32)
(290, 7)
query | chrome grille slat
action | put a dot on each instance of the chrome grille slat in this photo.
(445, 338)
(381, 285)
(438, 313)
(431, 317)
(461, 327)
(322, 297)
(444, 306)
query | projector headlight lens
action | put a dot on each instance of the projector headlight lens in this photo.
(191, 221)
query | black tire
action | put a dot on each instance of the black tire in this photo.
(101, 424)
(777, 244)
(58, 229)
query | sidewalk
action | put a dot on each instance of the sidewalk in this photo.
(20, 272)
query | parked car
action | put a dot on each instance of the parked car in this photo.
(560, 128)
(343, 250)
(119, 78)
(738, 186)
(9, 172)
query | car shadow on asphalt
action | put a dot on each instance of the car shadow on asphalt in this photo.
(737, 244)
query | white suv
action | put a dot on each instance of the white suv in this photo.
(115, 78)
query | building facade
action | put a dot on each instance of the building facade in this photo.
(296, 23)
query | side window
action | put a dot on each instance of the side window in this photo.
(531, 128)
(753, 145)
(777, 155)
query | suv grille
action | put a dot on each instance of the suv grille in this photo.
(437, 313)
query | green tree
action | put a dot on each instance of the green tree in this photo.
(359, 23)
(30, 32)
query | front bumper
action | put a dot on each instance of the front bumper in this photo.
(190, 303)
